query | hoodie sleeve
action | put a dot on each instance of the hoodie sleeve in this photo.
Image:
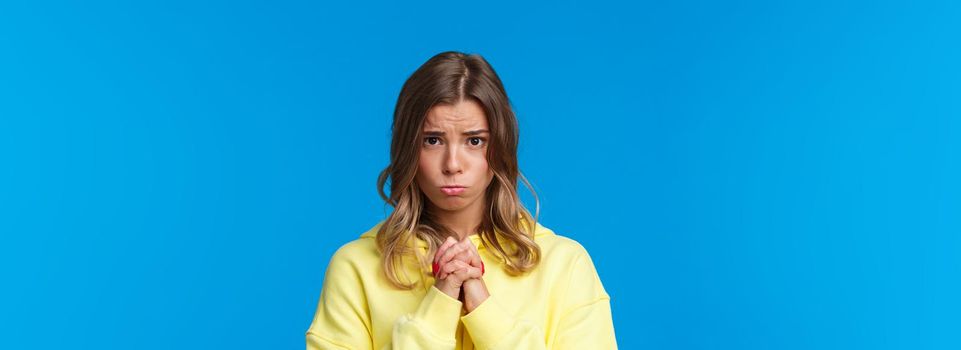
(342, 320)
(432, 326)
(492, 326)
(585, 323)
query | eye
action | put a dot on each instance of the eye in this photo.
(476, 141)
(431, 140)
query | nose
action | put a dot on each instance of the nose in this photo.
(452, 164)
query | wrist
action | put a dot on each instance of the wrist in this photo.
(446, 288)
(475, 293)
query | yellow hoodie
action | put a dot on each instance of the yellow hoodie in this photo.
(561, 304)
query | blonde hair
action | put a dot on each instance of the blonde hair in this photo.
(507, 227)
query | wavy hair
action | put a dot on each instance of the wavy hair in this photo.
(507, 227)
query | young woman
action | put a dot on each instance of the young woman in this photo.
(459, 263)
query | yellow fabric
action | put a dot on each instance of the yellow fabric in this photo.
(561, 304)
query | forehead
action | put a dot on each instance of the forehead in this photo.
(465, 114)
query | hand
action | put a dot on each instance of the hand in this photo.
(456, 273)
(451, 250)
(461, 257)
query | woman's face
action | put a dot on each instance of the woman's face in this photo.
(453, 170)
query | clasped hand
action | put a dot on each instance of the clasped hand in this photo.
(459, 270)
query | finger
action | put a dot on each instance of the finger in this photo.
(467, 272)
(440, 252)
(443, 271)
(463, 250)
(435, 267)
(461, 271)
(452, 252)
(471, 256)
(450, 241)
(456, 267)
(450, 267)
(464, 255)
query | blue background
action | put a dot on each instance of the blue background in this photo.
(745, 174)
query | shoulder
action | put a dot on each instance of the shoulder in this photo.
(569, 258)
(359, 253)
(555, 246)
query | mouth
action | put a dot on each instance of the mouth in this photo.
(453, 190)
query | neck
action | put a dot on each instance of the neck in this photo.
(463, 222)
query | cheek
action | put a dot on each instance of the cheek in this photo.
(483, 161)
(423, 167)
(428, 168)
(486, 169)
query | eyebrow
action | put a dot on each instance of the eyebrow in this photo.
(466, 133)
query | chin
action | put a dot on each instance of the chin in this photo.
(451, 207)
(451, 204)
